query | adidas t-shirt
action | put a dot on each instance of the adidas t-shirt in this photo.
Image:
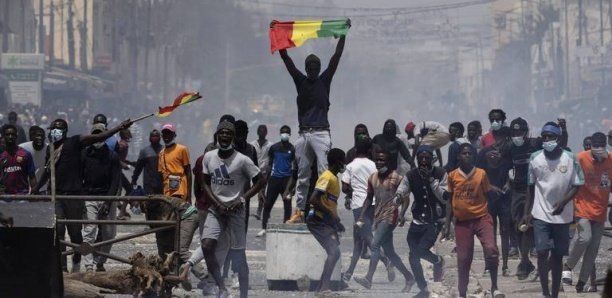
(553, 180)
(228, 176)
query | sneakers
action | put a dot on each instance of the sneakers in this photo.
(566, 277)
(498, 294)
(224, 294)
(364, 282)
(523, 271)
(296, 217)
(346, 277)
(100, 268)
(422, 294)
(261, 233)
(505, 271)
(390, 273)
(533, 275)
(438, 270)
(408, 286)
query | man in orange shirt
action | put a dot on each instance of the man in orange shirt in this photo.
(470, 187)
(590, 210)
(175, 169)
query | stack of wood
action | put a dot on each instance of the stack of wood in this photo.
(148, 277)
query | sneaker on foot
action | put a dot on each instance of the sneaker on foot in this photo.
(390, 273)
(296, 217)
(589, 289)
(505, 271)
(566, 277)
(533, 275)
(408, 286)
(498, 294)
(224, 293)
(579, 286)
(438, 270)
(422, 294)
(261, 233)
(100, 268)
(364, 282)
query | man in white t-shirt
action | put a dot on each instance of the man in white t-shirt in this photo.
(225, 172)
(355, 185)
(436, 135)
(38, 148)
(554, 177)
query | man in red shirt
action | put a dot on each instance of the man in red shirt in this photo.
(499, 131)
(17, 165)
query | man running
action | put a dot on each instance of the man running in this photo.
(313, 105)
(554, 178)
(383, 184)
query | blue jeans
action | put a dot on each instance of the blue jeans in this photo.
(383, 238)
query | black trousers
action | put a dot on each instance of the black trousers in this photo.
(276, 187)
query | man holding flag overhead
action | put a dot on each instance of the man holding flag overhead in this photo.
(313, 95)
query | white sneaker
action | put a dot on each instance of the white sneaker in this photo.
(235, 282)
(566, 277)
(498, 294)
(261, 233)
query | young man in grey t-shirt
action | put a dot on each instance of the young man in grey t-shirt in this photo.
(225, 173)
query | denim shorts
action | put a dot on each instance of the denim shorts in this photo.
(553, 237)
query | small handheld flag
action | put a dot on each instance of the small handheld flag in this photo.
(184, 98)
(290, 34)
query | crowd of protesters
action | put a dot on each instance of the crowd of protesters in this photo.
(527, 189)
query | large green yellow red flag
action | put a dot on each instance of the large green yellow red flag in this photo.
(183, 98)
(290, 34)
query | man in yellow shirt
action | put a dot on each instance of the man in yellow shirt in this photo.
(322, 220)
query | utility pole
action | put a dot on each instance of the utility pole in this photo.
(70, 33)
(145, 74)
(41, 28)
(51, 32)
(23, 26)
(83, 36)
(567, 61)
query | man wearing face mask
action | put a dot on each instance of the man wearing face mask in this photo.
(281, 177)
(389, 142)
(429, 187)
(101, 176)
(225, 172)
(38, 148)
(590, 210)
(68, 181)
(313, 106)
(383, 184)
(262, 146)
(554, 178)
(147, 164)
(499, 132)
(520, 152)
(112, 142)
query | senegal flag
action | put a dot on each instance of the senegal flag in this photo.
(183, 98)
(291, 34)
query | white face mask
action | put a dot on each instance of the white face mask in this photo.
(284, 137)
(518, 141)
(98, 145)
(383, 170)
(599, 153)
(496, 125)
(56, 134)
(226, 148)
(168, 144)
(550, 145)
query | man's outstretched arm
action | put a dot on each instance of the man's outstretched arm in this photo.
(293, 71)
(335, 59)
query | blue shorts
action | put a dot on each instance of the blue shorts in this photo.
(553, 237)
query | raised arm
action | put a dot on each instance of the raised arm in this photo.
(293, 71)
(335, 59)
(87, 140)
